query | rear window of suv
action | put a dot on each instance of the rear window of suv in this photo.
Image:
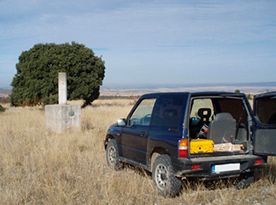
(168, 111)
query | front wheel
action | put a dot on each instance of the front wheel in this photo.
(112, 155)
(163, 176)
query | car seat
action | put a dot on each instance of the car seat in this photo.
(204, 114)
(222, 129)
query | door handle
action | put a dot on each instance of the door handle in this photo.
(172, 130)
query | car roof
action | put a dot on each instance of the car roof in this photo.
(196, 94)
(264, 95)
(218, 93)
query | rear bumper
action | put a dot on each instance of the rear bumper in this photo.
(183, 167)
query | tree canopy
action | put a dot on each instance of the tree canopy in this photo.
(36, 80)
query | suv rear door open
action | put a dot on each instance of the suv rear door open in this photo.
(265, 131)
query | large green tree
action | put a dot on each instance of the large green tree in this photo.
(36, 80)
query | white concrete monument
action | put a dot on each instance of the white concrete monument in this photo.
(60, 117)
(62, 88)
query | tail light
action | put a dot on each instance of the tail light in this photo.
(258, 162)
(195, 166)
(183, 148)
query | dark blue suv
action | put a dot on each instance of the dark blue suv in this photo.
(159, 131)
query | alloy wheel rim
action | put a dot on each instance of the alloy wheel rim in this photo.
(112, 155)
(161, 176)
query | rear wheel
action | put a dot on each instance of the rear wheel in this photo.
(246, 181)
(112, 155)
(167, 184)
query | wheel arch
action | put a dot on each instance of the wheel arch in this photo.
(157, 151)
(107, 138)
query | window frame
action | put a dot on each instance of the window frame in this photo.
(245, 105)
(135, 108)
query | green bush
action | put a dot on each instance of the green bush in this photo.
(36, 80)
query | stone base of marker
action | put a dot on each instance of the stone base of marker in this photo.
(61, 117)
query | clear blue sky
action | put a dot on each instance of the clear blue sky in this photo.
(150, 41)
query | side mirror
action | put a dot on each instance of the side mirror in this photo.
(121, 122)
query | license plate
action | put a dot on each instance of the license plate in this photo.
(225, 168)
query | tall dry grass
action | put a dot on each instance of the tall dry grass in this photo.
(37, 167)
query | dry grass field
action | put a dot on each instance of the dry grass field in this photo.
(37, 167)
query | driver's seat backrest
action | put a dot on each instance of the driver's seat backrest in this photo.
(222, 129)
(204, 114)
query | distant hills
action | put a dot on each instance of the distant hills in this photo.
(155, 86)
(5, 92)
(249, 88)
(133, 90)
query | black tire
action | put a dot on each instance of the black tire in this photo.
(112, 155)
(246, 181)
(163, 176)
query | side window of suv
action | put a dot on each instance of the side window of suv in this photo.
(142, 114)
(168, 111)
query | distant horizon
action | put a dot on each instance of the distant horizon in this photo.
(177, 85)
(156, 86)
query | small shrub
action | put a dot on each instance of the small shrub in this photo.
(249, 97)
(4, 100)
(2, 109)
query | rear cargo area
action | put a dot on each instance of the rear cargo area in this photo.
(218, 126)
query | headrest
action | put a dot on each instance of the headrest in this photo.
(204, 113)
(224, 116)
